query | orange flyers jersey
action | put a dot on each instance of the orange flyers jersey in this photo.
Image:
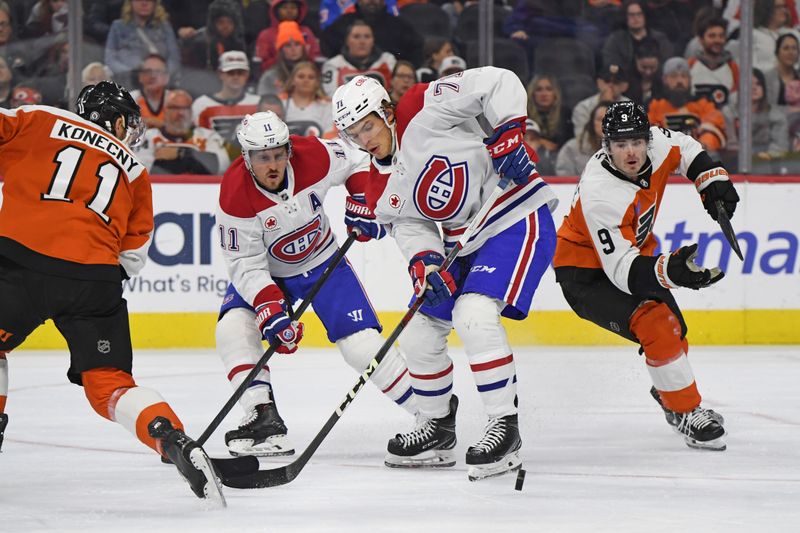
(611, 219)
(75, 201)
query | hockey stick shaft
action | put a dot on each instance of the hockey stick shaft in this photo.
(280, 476)
(332, 264)
(727, 228)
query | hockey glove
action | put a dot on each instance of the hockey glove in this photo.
(426, 277)
(715, 185)
(509, 156)
(358, 216)
(274, 323)
(678, 269)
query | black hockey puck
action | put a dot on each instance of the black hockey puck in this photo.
(520, 479)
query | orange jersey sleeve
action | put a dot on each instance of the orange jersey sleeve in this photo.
(75, 199)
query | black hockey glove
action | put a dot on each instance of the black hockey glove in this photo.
(715, 185)
(678, 269)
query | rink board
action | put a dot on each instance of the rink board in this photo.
(173, 302)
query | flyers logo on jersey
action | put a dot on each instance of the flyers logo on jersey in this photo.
(441, 188)
(298, 245)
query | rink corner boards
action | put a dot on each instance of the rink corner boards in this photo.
(718, 327)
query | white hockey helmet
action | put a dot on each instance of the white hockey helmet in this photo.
(355, 100)
(262, 131)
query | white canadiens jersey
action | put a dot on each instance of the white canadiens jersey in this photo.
(286, 234)
(442, 171)
(611, 219)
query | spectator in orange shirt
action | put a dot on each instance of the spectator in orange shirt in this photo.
(678, 110)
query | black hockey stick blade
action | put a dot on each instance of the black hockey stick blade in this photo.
(230, 467)
(233, 467)
(727, 229)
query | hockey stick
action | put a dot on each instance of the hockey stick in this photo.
(727, 228)
(274, 477)
(332, 264)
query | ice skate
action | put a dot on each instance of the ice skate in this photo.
(498, 450)
(190, 460)
(673, 418)
(3, 424)
(261, 433)
(700, 430)
(429, 445)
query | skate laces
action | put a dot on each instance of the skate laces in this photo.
(424, 430)
(249, 418)
(494, 434)
(699, 418)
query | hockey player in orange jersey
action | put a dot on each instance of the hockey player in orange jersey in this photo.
(76, 218)
(605, 255)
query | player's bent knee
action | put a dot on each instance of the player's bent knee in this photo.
(103, 386)
(477, 321)
(360, 348)
(425, 339)
(658, 330)
(236, 332)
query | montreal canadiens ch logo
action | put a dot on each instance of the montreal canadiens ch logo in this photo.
(297, 245)
(441, 188)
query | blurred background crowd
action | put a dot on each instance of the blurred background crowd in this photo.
(197, 67)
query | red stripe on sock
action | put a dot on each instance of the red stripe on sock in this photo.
(492, 364)
(242, 368)
(395, 382)
(433, 376)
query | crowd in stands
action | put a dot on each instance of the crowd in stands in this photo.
(196, 67)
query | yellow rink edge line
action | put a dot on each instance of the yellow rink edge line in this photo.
(196, 330)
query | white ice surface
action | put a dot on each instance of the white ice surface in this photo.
(598, 453)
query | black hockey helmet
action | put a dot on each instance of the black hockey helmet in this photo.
(104, 102)
(625, 120)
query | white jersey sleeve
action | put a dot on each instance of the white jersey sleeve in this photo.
(345, 161)
(416, 235)
(495, 93)
(245, 254)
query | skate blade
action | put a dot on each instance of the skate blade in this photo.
(716, 445)
(428, 459)
(213, 487)
(509, 463)
(275, 446)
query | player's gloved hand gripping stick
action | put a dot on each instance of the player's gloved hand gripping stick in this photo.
(276, 343)
(719, 199)
(284, 474)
